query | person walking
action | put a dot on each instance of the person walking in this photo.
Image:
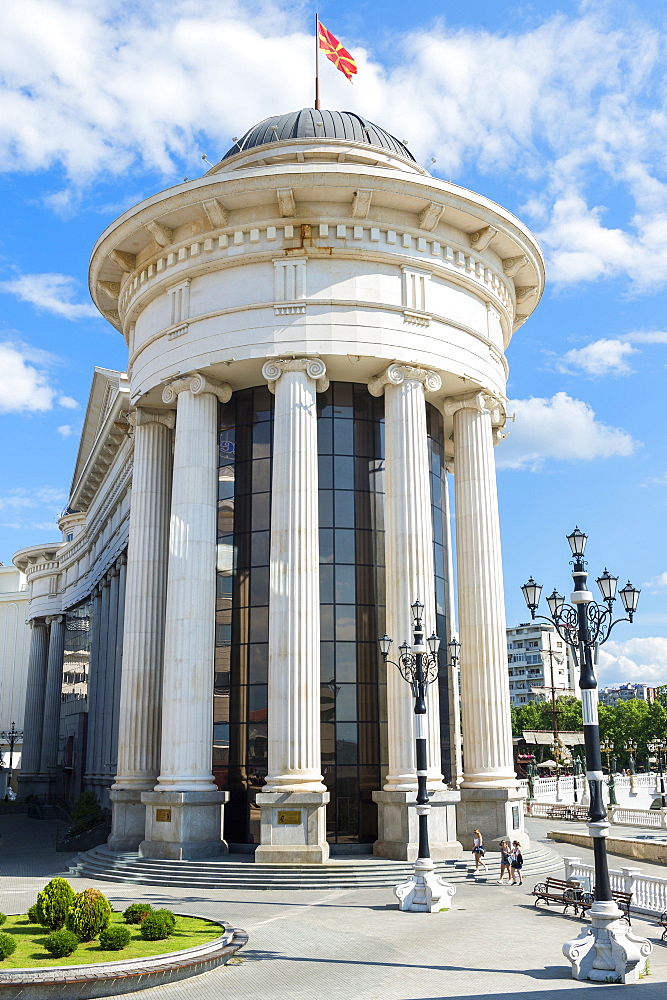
(516, 861)
(478, 850)
(505, 861)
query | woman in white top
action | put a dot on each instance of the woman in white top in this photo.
(478, 850)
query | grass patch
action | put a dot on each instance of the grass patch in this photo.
(30, 951)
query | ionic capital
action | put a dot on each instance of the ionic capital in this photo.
(482, 402)
(315, 368)
(50, 619)
(396, 374)
(197, 384)
(145, 415)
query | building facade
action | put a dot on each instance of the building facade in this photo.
(539, 661)
(615, 693)
(316, 332)
(14, 651)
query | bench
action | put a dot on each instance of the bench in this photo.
(558, 890)
(663, 924)
(622, 899)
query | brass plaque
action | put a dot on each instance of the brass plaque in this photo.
(163, 815)
(289, 817)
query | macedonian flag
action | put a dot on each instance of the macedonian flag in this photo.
(334, 51)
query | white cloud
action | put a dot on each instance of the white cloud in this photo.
(23, 387)
(558, 428)
(49, 293)
(68, 402)
(65, 430)
(600, 357)
(658, 581)
(650, 337)
(642, 660)
(30, 509)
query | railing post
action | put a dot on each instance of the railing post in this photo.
(663, 819)
(630, 880)
(570, 865)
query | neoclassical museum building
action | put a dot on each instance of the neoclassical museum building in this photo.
(316, 332)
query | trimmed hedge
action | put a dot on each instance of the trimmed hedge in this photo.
(137, 912)
(54, 902)
(157, 925)
(3, 917)
(115, 938)
(89, 914)
(61, 943)
(7, 946)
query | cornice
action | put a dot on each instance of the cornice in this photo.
(38, 560)
(109, 441)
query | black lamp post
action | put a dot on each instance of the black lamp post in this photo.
(658, 746)
(11, 736)
(575, 774)
(584, 625)
(419, 666)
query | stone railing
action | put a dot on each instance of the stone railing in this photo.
(551, 810)
(548, 786)
(655, 819)
(649, 892)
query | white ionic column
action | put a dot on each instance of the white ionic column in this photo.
(485, 701)
(93, 688)
(145, 586)
(183, 815)
(96, 707)
(294, 780)
(29, 782)
(52, 697)
(409, 576)
(122, 581)
(109, 682)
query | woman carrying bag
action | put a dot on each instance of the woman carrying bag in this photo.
(478, 850)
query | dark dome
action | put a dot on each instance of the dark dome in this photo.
(311, 124)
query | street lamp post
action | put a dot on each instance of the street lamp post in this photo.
(12, 737)
(575, 774)
(658, 746)
(606, 951)
(556, 754)
(630, 747)
(425, 892)
(607, 748)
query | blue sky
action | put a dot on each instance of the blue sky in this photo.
(555, 111)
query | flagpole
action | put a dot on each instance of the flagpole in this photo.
(317, 62)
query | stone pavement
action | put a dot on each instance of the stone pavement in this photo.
(354, 944)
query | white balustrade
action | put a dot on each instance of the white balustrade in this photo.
(649, 892)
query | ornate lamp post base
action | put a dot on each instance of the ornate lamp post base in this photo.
(607, 951)
(425, 892)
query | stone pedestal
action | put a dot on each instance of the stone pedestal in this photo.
(608, 951)
(183, 826)
(425, 892)
(398, 826)
(497, 812)
(293, 828)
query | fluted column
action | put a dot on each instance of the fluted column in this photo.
(52, 697)
(409, 576)
(485, 702)
(185, 789)
(115, 714)
(294, 778)
(144, 602)
(97, 707)
(107, 719)
(409, 560)
(34, 710)
(93, 687)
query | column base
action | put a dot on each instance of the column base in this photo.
(128, 819)
(425, 892)
(608, 951)
(293, 828)
(497, 812)
(398, 826)
(183, 826)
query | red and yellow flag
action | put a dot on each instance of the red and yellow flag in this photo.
(334, 51)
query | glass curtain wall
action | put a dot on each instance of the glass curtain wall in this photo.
(353, 679)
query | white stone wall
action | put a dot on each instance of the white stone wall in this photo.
(14, 647)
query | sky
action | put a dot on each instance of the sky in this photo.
(555, 111)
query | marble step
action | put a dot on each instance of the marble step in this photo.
(236, 872)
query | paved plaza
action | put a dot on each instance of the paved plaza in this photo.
(355, 944)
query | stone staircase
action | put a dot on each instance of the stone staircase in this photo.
(239, 871)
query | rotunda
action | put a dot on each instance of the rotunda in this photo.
(316, 332)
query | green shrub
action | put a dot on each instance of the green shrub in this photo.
(89, 914)
(54, 902)
(61, 943)
(137, 912)
(86, 813)
(35, 915)
(7, 946)
(3, 917)
(115, 938)
(156, 926)
(168, 916)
